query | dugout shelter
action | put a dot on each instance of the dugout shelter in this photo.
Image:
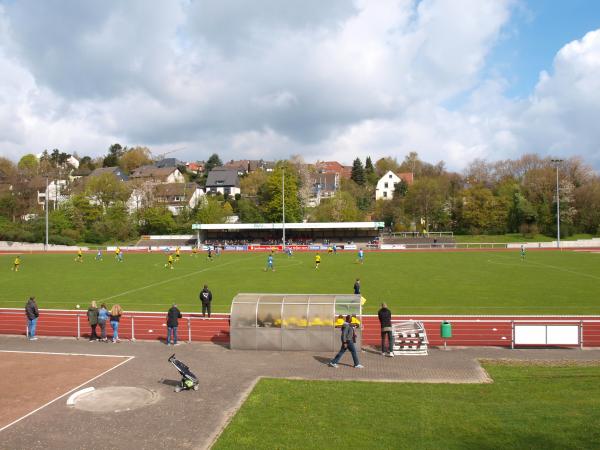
(290, 321)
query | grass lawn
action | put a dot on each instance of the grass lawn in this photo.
(526, 407)
(511, 238)
(546, 282)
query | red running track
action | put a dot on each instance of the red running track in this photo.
(466, 330)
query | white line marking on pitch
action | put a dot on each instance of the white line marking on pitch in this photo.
(164, 281)
(129, 358)
(535, 263)
(74, 395)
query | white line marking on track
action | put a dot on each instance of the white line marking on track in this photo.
(129, 358)
(66, 354)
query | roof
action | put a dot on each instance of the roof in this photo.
(151, 171)
(176, 189)
(168, 162)
(116, 171)
(289, 226)
(334, 166)
(81, 172)
(242, 164)
(221, 177)
(407, 177)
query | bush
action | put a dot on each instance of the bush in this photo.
(60, 240)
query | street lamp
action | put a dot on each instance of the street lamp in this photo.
(557, 163)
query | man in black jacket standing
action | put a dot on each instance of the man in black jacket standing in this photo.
(385, 320)
(173, 317)
(32, 313)
(205, 298)
(357, 287)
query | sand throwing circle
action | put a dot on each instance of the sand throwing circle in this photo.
(116, 399)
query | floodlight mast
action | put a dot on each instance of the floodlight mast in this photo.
(46, 211)
(557, 163)
(283, 206)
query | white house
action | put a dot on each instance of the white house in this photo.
(387, 184)
(223, 181)
(158, 174)
(174, 196)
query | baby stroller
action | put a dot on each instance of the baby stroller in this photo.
(188, 379)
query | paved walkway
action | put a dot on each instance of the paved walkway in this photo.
(194, 419)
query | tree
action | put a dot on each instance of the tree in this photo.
(210, 211)
(382, 166)
(212, 162)
(135, 157)
(251, 183)
(248, 211)
(7, 169)
(107, 189)
(370, 175)
(340, 208)
(587, 203)
(28, 165)
(115, 152)
(156, 220)
(483, 212)
(271, 195)
(358, 172)
(426, 200)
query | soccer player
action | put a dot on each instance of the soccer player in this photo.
(329, 250)
(169, 263)
(522, 252)
(117, 253)
(16, 263)
(361, 256)
(195, 251)
(79, 256)
(210, 255)
(177, 254)
(317, 260)
(270, 264)
(334, 249)
(289, 252)
(98, 255)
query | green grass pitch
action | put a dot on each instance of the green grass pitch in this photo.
(527, 407)
(546, 282)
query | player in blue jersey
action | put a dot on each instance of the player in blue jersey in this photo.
(522, 252)
(361, 256)
(270, 264)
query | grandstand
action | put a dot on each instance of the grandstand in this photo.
(418, 240)
(167, 241)
(295, 233)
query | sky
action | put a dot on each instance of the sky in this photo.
(453, 80)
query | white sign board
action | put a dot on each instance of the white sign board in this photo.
(546, 334)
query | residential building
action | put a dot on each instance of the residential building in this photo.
(323, 185)
(116, 171)
(387, 184)
(334, 167)
(223, 181)
(178, 196)
(151, 173)
(168, 162)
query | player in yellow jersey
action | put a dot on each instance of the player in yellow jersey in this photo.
(79, 256)
(194, 251)
(169, 263)
(317, 260)
(16, 263)
(177, 254)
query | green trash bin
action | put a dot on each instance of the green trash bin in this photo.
(446, 330)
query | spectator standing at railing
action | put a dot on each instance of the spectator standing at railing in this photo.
(92, 316)
(32, 313)
(206, 299)
(173, 317)
(115, 317)
(385, 321)
(102, 318)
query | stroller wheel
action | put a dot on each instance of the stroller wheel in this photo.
(196, 387)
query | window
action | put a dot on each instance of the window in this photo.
(385, 185)
(390, 175)
(384, 194)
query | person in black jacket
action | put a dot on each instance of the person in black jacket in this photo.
(357, 287)
(385, 320)
(205, 298)
(92, 315)
(173, 317)
(32, 313)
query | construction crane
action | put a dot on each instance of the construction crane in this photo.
(162, 155)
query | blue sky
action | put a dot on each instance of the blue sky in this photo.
(537, 30)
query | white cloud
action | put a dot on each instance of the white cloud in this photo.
(270, 79)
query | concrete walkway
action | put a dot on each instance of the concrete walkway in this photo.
(194, 419)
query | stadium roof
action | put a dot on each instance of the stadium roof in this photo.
(288, 226)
